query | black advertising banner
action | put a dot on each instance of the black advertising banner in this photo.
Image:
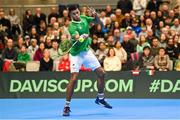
(163, 85)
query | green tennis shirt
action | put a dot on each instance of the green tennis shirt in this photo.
(80, 27)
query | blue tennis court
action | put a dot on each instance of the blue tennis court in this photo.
(21, 109)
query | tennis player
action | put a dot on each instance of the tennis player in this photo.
(80, 54)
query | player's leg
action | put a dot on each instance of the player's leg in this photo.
(69, 93)
(90, 61)
(100, 84)
(75, 65)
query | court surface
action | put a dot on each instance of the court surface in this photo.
(82, 109)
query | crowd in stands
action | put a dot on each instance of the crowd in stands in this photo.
(136, 35)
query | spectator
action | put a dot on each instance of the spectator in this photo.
(125, 6)
(161, 60)
(170, 49)
(139, 7)
(163, 41)
(20, 43)
(112, 62)
(147, 59)
(34, 34)
(154, 19)
(177, 63)
(155, 47)
(54, 50)
(153, 5)
(101, 52)
(142, 44)
(119, 16)
(103, 17)
(94, 44)
(120, 52)
(64, 64)
(15, 22)
(64, 28)
(176, 25)
(53, 13)
(126, 21)
(143, 32)
(5, 25)
(33, 48)
(48, 43)
(9, 53)
(39, 52)
(176, 41)
(108, 11)
(99, 31)
(110, 41)
(46, 63)
(135, 27)
(23, 56)
(159, 28)
(150, 36)
(28, 21)
(128, 46)
(42, 28)
(38, 17)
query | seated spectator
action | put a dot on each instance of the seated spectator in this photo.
(48, 43)
(155, 47)
(132, 36)
(20, 43)
(163, 41)
(94, 44)
(15, 22)
(46, 63)
(161, 60)
(110, 41)
(128, 46)
(42, 28)
(119, 16)
(22, 59)
(112, 62)
(64, 64)
(142, 44)
(32, 48)
(9, 55)
(120, 52)
(147, 60)
(176, 25)
(126, 21)
(39, 52)
(23, 56)
(54, 50)
(135, 27)
(170, 49)
(177, 63)
(101, 52)
(34, 34)
(176, 40)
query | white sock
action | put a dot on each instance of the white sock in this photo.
(101, 96)
(67, 104)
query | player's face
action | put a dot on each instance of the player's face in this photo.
(75, 15)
